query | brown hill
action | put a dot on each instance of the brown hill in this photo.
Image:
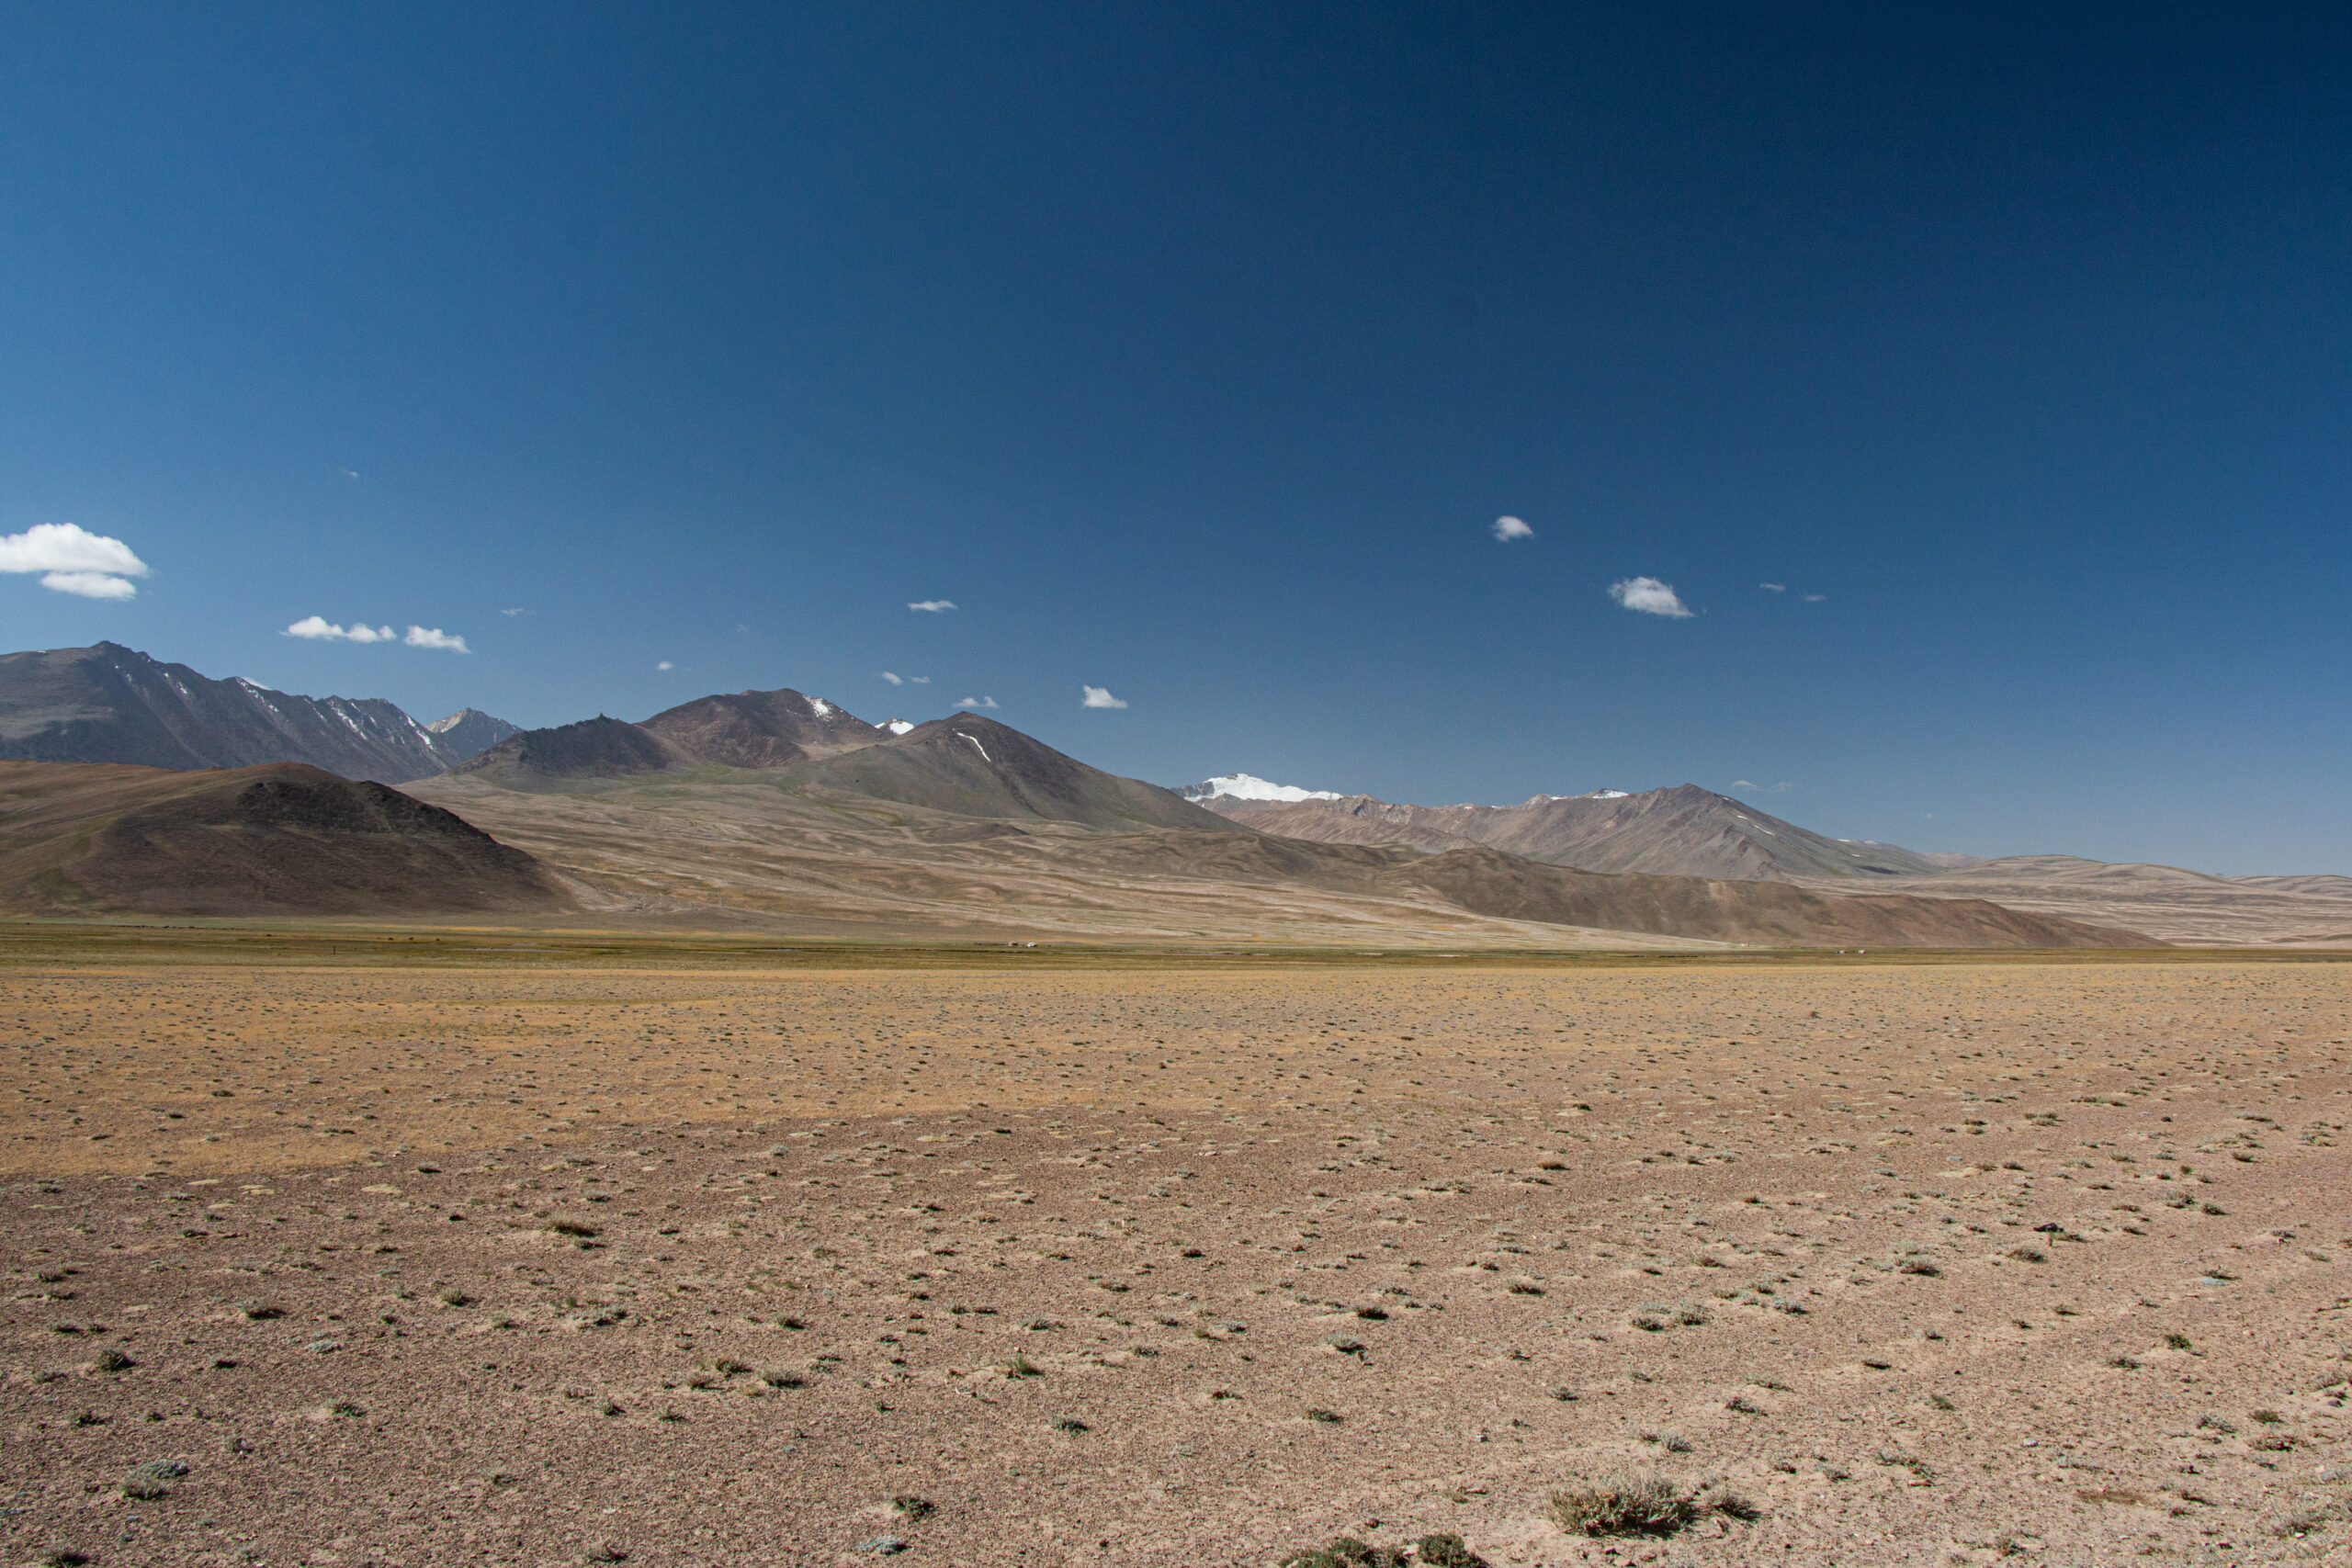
(283, 839)
(1753, 912)
(762, 729)
(720, 846)
(1686, 832)
(976, 767)
(592, 748)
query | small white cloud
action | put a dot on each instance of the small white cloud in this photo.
(1648, 595)
(434, 637)
(1768, 789)
(1509, 528)
(1773, 587)
(977, 702)
(665, 664)
(1814, 598)
(72, 560)
(894, 679)
(920, 679)
(932, 606)
(351, 473)
(1097, 697)
(516, 611)
(318, 628)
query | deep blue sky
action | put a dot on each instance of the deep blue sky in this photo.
(1193, 351)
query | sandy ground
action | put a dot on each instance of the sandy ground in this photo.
(1931, 1264)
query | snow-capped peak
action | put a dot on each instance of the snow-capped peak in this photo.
(819, 707)
(896, 725)
(1603, 795)
(1243, 786)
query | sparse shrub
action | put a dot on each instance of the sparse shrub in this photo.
(1328, 1417)
(913, 1509)
(1628, 1503)
(454, 1297)
(580, 1229)
(2270, 1417)
(1019, 1367)
(780, 1379)
(1071, 1426)
(113, 1360)
(1445, 1551)
(1921, 1267)
(2027, 1255)
(1739, 1403)
(2220, 1423)
(2176, 1342)
(1937, 1401)
(261, 1312)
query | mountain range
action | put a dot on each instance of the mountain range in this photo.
(111, 704)
(779, 810)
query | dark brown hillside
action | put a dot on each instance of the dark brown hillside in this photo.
(280, 839)
(596, 748)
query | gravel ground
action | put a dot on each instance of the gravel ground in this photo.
(1932, 1264)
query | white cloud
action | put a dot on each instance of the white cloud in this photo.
(1773, 587)
(977, 702)
(1650, 596)
(73, 560)
(1098, 697)
(434, 637)
(894, 679)
(517, 611)
(932, 606)
(89, 585)
(920, 679)
(1509, 528)
(665, 664)
(318, 628)
(1814, 598)
(1768, 789)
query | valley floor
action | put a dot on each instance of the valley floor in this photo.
(1128, 1263)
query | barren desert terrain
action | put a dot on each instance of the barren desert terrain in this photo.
(535, 1257)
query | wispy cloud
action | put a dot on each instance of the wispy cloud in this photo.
(932, 606)
(894, 679)
(434, 637)
(318, 628)
(1773, 587)
(665, 664)
(977, 702)
(1509, 528)
(1814, 598)
(73, 561)
(1769, 789)
(1098, 697)
(518, 609)
(1649, 596)
(920, 679)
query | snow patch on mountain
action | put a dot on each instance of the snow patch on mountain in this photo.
(897, 726)
(1245, 787)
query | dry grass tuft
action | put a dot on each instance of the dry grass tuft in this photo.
(1643, 1502)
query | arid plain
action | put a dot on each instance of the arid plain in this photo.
(501, 1250)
